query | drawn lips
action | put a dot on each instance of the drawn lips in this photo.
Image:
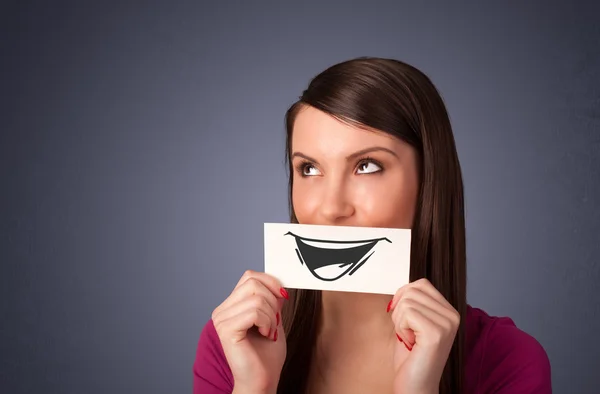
(330, 260)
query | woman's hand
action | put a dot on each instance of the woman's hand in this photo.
(248, 324)
(426, 325)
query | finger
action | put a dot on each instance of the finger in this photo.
(406, 335)
(424, 299)
(246, 288)
(254, 302)
(441, 321)
(412, 322)
(269, 281)
(398, 296)
(236, 327)
(425, 286)
(249, 288)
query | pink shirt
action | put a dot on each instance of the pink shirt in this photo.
(500, 359)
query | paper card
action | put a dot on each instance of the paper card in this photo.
(340, 258)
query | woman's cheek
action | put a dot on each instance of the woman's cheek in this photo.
(381, 204)
(372, 203)
(305, 200)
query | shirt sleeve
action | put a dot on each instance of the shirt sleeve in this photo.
(514, 362)
(210, 370)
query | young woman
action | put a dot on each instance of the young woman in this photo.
(370, 143)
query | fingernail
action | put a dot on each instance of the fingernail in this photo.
(400, 339)
(275, 336)
(284, 293)
(277, 316)
(389, 305)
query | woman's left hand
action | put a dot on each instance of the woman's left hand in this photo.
(426, 323)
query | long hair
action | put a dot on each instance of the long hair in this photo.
(396, 98)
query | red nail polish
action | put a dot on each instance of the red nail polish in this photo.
(405, 344)
(389, 305)
(284, 293)
(277, 316)
(275, 336)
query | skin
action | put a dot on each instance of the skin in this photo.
(367, 342)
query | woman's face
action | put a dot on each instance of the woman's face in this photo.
(351, 177)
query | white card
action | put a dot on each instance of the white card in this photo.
(340, 258)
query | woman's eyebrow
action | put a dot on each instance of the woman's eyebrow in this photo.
(369, 150)
(302, 155)
(351, 156)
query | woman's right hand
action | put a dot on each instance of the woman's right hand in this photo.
(248, 324)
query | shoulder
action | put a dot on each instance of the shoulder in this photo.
(502, 358)
(211, 370)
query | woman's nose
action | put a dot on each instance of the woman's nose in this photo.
(335, 205)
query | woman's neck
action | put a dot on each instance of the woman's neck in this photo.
(355, 334)
(355, 314)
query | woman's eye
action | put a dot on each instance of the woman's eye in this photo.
(309, 170)
(368, 167)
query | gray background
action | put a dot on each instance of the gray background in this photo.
(139, 143)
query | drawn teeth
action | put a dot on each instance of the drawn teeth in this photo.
(329, 271)
(332, 245)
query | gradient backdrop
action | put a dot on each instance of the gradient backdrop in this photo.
(141, 151)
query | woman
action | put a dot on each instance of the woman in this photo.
(369, 143)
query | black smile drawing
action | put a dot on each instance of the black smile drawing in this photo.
(333, 259)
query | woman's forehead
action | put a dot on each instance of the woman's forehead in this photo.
(317, 131)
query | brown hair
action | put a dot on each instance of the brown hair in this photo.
(396, 98)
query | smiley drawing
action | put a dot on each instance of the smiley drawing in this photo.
(330, 260)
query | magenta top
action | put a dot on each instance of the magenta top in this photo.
(500, 359)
